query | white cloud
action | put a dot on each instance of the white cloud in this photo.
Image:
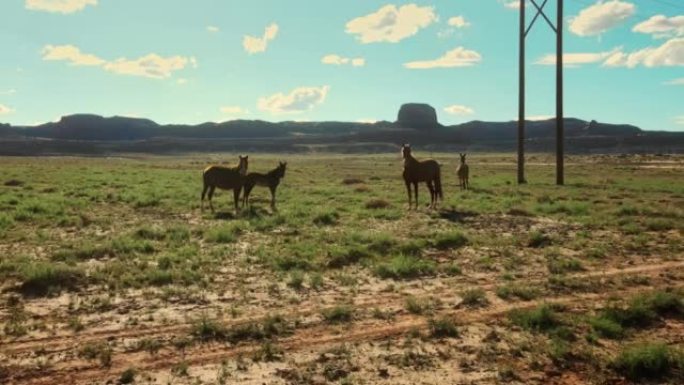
(511, 4)
(457, 109)
(670, 53)
(340, 60)
(71, 54)
(11, 91)
(577, 59)
(391, 24)
(253, 44)
(676, 82)
(458, 57)
(234, 110)
(679, 119)
(534, 118)
(600, 17)
(151, 65)
(212, 28)
(58, 6)
(661, 26)
(298, 100)
(367, 120)
(458, 22)
(4, 110)
(182, 81)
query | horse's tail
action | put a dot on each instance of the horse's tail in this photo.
(438, 184)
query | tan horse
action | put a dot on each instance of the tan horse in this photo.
(225, 178)
(271, 180)
(416, 171)
(462, 173)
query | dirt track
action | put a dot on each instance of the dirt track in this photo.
(67, 368)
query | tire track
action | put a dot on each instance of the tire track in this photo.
(385, 300)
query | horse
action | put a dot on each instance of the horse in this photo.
(271, 180)
(226, 178)
(462, 173)
(416, 171)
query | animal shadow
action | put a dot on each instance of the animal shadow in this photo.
(452, 215)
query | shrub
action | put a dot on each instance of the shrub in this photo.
(538, 239)
(326, 218)
(341, 258)
(474, 298)
(607, 327)
(375, 204)
(442, 327)
(338, 314)
(541, 319)
(206, 329)
(647, 361)
(48, 278)
(405, 267)
(224, 234)
(450, 240)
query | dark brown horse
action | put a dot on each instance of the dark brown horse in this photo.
(271, 180)
(225, 178)
(462, 173)
(416, 171)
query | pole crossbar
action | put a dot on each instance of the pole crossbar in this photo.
(540, 11)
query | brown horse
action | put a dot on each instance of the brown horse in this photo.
(462, 173)
(225, 178)
(271, 180)
(416, 171)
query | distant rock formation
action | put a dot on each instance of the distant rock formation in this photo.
(417, 115)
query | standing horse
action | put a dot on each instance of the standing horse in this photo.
(416, 171)
(226, 178)
(462, 173)
(271, 180)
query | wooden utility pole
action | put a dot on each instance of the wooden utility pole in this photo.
(521, 98)
(560, 179)
(524, 30)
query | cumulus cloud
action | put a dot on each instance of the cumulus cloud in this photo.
(676, 82)
(458, 57)
(334, 59)
(660, 26)
(10, 91)
(4, 110)
(233, 110)
(577, 59)
(298, 100)
(600, 17)
(254, 44)
(391, 23)
(151, 66)
(458, 22)
(71, 54)
(679, 119)
(58, 6)
(669, 54)
(367, 120)
(457, 109)
(212, 28)
(511, 4)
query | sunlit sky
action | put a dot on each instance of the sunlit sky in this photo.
(191, 61)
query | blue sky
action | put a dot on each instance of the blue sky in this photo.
(182, 61)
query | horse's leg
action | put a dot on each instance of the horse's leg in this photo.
(236, 198)
(245, 197)
(211, 195)
(273, 198)
(408, 190)
(467, 181)
(204, 192)
(415, 191)
(431, 187)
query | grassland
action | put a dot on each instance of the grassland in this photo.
(110, 272)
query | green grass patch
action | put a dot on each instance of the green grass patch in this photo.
(405, 267)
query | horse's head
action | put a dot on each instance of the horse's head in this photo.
(281, 169)
(406, 151)
(242, 167)
(463, 157)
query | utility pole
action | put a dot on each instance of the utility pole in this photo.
(524, 30)
(560, 179)
(521, 98)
